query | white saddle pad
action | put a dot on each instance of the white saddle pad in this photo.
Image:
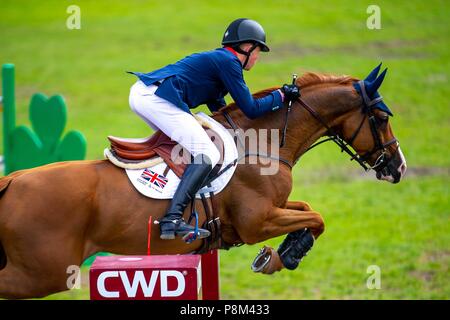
(152, 183)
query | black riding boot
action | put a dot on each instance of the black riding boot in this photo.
(193, 177)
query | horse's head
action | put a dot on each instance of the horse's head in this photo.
(348, 111)
(369, 132)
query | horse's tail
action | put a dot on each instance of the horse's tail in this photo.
(4, 183)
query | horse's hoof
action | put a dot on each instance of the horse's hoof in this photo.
(267, 261)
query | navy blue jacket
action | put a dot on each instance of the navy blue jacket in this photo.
(205, 78)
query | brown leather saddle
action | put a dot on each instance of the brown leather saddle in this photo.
(159, 144)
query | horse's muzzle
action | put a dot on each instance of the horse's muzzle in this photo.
(394, 170)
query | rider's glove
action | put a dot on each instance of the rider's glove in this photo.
(291, 92)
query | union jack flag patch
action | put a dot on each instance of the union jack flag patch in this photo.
(154, 178)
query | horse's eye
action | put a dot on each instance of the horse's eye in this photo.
(381, 120)
(383, 117)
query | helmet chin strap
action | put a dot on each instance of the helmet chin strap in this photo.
(245, 53)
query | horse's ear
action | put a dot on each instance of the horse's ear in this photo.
(373, 86)
(373, 74)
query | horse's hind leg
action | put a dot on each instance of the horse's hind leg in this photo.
(16, 284)
(19, 283)
(41, 238)
(34, 270)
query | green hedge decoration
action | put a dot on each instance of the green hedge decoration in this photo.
(25, 148)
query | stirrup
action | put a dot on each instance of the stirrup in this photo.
(178, 227)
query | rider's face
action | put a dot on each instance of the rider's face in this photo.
(253, 57)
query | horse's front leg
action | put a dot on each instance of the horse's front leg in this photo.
(298, 205)
(303, 206)
(282, 221)
(293, 221)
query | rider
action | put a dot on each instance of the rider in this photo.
(163, 98)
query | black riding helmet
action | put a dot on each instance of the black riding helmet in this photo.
(245, 30)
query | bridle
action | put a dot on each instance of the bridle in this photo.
(382, 160)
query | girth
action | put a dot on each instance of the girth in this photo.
(212, 224)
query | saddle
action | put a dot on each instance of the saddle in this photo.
(148, 162)
(158, 145)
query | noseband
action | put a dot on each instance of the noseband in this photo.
(382, 160)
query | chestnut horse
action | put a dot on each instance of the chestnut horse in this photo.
(57, 215)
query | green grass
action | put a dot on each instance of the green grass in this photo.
(367, 224)
(401, 228)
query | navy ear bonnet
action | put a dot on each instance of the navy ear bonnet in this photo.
(368, 90)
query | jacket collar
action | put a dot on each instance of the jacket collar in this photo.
(231, 50)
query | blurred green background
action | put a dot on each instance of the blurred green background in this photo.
(403, 229)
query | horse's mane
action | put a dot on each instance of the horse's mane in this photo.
(312, 78)
(306, 80)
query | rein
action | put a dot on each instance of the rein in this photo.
(381, 162)
(248, 154)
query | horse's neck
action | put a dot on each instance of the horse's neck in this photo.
(303, 129)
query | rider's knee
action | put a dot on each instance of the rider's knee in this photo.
(215, 156)
(212, 156)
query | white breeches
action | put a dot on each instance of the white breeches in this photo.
(177, 124)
